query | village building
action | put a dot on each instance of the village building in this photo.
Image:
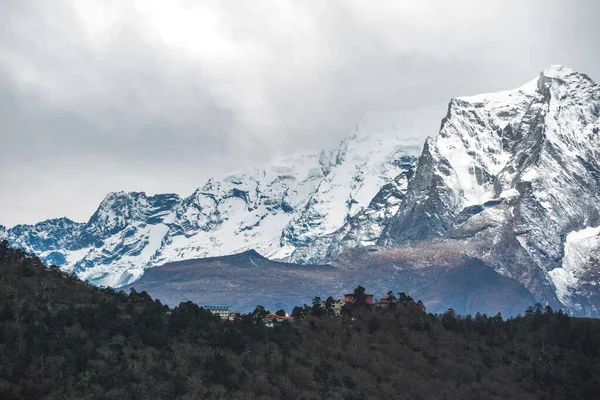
(234, 315)
(337, 307)
(349, 298)
(383, 303)
(272, 319)
(220, 310)
(369, 299)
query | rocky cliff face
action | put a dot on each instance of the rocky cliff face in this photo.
(516, 175)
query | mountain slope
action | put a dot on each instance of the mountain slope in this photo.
(471, 287)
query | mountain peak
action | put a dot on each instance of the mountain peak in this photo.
(117, 194)
(509, 97)
(251, 253)
(122, 196)
(557, 71)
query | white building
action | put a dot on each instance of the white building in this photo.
(220, 310)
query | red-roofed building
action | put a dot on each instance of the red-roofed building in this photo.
(383, 302)
(349, 298)
(272, 319)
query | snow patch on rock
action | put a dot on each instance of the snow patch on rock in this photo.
(578, 249)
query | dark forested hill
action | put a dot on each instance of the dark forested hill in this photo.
(63, 339)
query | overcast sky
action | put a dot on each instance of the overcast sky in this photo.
(157, 96)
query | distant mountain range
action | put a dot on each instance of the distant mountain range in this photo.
(512, 179)
(274, 209)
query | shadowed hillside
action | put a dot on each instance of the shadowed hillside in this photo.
(472, 287)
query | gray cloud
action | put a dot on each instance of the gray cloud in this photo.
(141, 95)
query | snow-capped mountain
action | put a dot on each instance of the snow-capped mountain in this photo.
(512, 178)
(51, 237)
(273, 209)
(515, 176)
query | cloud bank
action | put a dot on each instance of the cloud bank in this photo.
(158, 96)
